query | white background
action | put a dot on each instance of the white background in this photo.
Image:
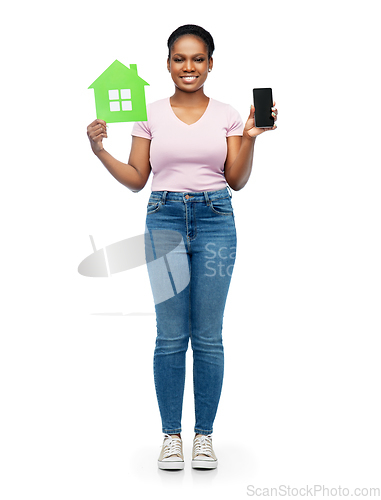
(301, 398)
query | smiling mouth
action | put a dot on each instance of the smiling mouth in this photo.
(189, 78)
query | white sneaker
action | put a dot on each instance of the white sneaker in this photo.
(203, 456)
(171, 455)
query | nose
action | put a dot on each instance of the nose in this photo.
(188, 65)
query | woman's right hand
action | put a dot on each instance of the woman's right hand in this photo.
(96, 132)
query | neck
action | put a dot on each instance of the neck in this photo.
(191, 99)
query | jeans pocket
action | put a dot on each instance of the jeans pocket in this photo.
(153, 205)
(222, 206)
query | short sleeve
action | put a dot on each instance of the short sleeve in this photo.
(141, 129)
(235, 123)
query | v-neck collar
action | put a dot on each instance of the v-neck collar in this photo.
(189, 124)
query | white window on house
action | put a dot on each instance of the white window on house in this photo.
(120, 100)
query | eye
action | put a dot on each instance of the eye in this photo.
(200, 59)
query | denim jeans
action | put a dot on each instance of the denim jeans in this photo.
(205, 223)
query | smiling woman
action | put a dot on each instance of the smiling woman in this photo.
(189, 61)
(195, 147)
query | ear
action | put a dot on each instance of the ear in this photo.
(168, 65)
(210, 63)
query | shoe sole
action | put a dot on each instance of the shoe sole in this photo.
(204, 464)
(170, 465)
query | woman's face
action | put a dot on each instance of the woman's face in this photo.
(189, 64)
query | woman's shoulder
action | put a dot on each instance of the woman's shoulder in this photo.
(220, 103)
(158, 105)
(229, 117)
(225, 109)
(155, 113)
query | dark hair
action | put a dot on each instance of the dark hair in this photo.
(192, 29)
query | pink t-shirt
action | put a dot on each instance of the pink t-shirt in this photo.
(188, 157)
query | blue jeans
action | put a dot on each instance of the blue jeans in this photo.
(204, 222)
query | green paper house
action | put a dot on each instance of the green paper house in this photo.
(119, 94)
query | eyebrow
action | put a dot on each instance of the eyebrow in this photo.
(195, 55)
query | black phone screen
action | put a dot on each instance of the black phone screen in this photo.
(263, 102)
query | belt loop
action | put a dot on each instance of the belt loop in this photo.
(229, 191)
(207, 198)
(163, 197)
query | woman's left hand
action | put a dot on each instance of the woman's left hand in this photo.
(251, 130)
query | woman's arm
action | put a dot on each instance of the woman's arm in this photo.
(239, 159)
(133, 174)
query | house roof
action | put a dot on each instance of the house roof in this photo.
(116, 72)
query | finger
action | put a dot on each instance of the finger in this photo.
(102, 133)
(269, 128)
(96, 125)
(96, 129)
(97, 136)
(96, 122)
(99, 121)
(100, 127)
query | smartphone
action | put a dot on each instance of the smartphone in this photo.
(263, 102)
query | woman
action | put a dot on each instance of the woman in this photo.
(196, 148)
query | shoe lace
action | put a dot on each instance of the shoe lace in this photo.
(203, 445)
(172, 446)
